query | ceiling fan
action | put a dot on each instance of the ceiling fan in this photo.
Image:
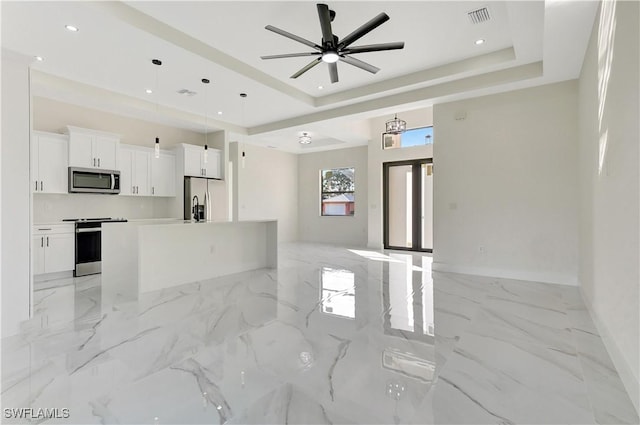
(332, 49)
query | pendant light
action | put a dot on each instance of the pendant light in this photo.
(396, 126)
(206, 128)
(158, 63)
(243, 96)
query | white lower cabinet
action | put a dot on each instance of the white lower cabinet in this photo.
(53, 248)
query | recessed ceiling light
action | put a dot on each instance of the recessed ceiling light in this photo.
(71, 28)
(149, 91)
(38, 58)
(320, 87)
(219, 112)
(479, 41)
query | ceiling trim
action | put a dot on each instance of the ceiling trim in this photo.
(178, 38)
(120, 100)
(448, 71)
(490, 79)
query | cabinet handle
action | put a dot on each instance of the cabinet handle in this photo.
(41, 241)
(41, 186)
(47, 240)
(48, 228)
(94, 162)
(98, 162)
(133, 189)
(153, 190)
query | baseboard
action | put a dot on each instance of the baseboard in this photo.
(544, 277)
(630, 381)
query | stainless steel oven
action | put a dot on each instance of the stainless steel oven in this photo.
(92, 180)
(88, 253)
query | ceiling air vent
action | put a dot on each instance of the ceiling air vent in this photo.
(187, 92)
(479, 16)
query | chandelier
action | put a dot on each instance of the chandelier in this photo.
(396, 126)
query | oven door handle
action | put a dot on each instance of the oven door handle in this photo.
(94, 229)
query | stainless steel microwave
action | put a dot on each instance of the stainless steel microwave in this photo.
(93, 180)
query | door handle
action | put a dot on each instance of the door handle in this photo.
(47, 240)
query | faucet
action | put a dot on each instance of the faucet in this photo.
(195, 208)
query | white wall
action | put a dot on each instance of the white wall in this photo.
(609, 246)
(377, 156)
(14, 155)
(505, 180)
(49, 208)
(349, 230)
(53, 116)
(266, 187)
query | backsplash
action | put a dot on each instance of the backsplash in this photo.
(51, 208)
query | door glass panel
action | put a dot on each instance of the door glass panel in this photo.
(427, 206)
(400, 206)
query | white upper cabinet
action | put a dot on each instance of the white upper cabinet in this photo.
(93, 149)
(49, 170)
(197, 164)
(134, 170)
(142, 174)
(163, 175)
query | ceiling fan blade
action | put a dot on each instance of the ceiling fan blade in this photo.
(374, 48)
(290, 55)
(293, 37)
(325, 24)
(358, 63)
(364, 29)
(307, 67)
(333, 72)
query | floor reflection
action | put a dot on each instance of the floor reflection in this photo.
(332, 336)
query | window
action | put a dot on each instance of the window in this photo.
(414, 137)
(338, 187)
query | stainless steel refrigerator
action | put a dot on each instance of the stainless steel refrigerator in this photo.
(209, 197)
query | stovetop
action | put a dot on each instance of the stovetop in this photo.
(96, 220)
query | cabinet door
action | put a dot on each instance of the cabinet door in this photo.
(126, 175)
(52, 165)
(192, 162)
(141, 173)
(212, 166)
(35, 176)
(81, 151)
(59, 252)
(37, 251)
(163, 175)
(106, 152)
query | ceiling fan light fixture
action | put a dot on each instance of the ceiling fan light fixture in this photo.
(396, 125)
(305, 139)
(330, 57)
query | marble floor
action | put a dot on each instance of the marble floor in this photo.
(333, 336)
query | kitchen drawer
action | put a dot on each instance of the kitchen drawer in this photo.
(50, 229)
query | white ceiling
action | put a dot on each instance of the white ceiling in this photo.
(107, 64)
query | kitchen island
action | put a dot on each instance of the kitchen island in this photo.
(148, 255)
